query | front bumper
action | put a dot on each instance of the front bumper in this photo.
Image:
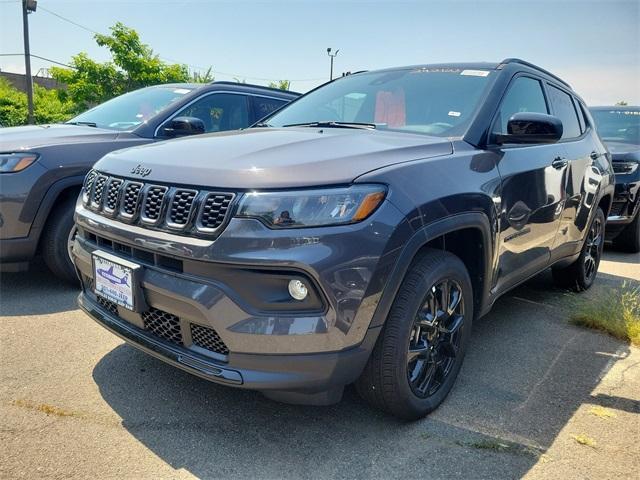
(308, 379)
(625, 205)
(291, 355)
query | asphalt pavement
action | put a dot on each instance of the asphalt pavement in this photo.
(536, 398)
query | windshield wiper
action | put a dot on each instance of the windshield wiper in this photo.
(368, 126)
(260, 125)
(87, 124)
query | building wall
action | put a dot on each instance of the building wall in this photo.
(19, 81)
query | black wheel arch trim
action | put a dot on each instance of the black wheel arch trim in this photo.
(49, 200)
(419, 239)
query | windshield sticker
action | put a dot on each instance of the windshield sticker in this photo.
(435, 70)
(181, 91)
(476, 73)
(454, 114)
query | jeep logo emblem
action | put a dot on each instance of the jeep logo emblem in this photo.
(140, 170)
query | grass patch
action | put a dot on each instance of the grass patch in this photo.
(45, 408)
(585, 440)
(616, 312)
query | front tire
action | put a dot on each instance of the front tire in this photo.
(581, 274)
(419, 352)
(56, 241)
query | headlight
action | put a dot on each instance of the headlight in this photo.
(14, 162)
(312, 208)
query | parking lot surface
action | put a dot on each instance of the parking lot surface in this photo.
(536, 398)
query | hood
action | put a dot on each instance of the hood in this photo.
(273, 158)
(623, 152)
(34, 136)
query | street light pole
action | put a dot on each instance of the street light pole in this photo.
(28, 6)
(332, 57)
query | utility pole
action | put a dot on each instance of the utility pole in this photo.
(28, 6)
(332, 57)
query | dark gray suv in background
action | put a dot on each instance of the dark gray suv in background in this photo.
(42, 167)
(619, 127)
(354, 236)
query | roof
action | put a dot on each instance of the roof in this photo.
(241, 86)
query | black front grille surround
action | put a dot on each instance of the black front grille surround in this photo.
(183, 211)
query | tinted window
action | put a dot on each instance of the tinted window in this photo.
(432, 100)
(563, 108)
(263, 106)
(524, 95)
(219, 111)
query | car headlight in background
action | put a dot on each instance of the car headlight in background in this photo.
(14, 162)
(312, 208)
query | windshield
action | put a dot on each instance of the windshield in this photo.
(131, 109)
(433, 101)
(618, 124)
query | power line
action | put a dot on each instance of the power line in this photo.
(36, 56)
(193, 67)
(68, 20)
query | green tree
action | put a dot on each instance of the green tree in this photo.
(202, 77)
(281, 84)
(49, 107)
(133, 66)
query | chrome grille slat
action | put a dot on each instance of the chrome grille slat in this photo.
(181, 207)
(113, 195)
(213, 211)
(153, 203)
(130, 199)
(179, 210)
(88, 185)
(98, 191)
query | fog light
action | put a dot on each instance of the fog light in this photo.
(298, 290)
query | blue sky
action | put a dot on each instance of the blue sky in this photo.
(595, 46)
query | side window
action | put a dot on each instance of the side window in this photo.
(219, 111)
(524, 95)
(564, 109)
(583, 124)
(263, 106)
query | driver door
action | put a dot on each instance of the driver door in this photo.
(532, 191)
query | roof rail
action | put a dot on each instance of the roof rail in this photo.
(536, 67)
(252, 85)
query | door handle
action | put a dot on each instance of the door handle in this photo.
(594, 155)
(559, 162)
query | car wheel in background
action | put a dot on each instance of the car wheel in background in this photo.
(420, 350)
(581, 274)
(59, 231)
(629, 239)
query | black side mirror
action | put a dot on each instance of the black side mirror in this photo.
(532, 128)
(182, 126)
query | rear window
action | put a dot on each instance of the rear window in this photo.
(563, 108)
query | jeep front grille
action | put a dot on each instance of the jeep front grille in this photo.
(160, 207)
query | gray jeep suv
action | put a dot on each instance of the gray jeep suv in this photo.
(353, 236)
